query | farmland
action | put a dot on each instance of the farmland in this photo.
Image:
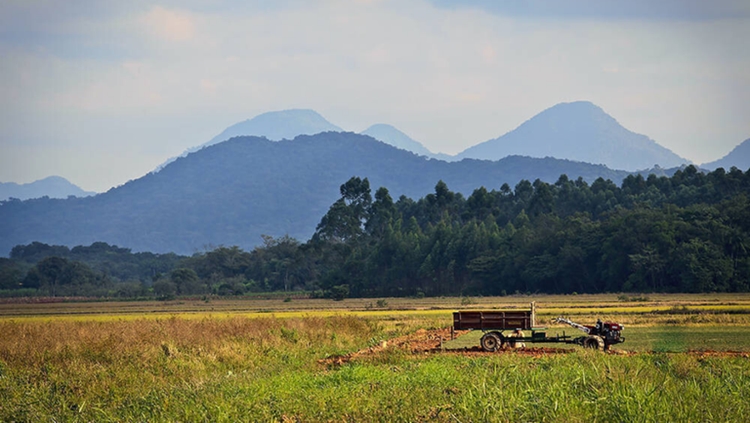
(685, 359)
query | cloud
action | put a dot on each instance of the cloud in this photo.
(696, 10)
(169, 24)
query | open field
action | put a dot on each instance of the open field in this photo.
(548, 306)
(291, 361)
(654, 339)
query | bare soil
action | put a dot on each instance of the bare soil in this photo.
(423, 342)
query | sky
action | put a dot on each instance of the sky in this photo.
(102, 92)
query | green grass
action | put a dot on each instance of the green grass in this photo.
(579, 387)
(648, 339)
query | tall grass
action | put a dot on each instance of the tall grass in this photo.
(240, 369)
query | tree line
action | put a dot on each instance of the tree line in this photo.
(685, 233)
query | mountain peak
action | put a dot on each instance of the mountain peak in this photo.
(580, 131)
(278, 125)
(275, 125)
(739, 157)
(51, 186)
(389, 134)
(574, 114)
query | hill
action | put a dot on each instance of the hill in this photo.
(277, 125)
(51, 186)
(578, 131)
(232, 192)
(392, 136)
(739, 157)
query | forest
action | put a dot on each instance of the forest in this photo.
(685, 233)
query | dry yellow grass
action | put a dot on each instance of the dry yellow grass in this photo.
(658, 309)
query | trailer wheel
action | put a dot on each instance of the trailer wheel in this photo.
(594, 342)
(490, 342)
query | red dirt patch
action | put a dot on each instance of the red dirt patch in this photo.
(712, 353)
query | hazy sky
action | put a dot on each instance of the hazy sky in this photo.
(101, 92)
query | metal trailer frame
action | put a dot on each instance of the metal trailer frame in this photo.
(494, 323)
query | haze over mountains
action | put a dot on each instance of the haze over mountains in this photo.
(578, 131)
(739, 157)
(281, 125)
(392, 136)
(276, 126)
(51, 186)
(232, 192)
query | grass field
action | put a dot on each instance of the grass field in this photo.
(270, 360)
(654, 339)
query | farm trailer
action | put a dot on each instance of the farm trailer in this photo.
(493, 323)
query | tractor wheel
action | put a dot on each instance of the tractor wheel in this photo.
(490, 342)
(593, 342)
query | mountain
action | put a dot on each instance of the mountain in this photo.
(278, 125)
(51, 186)
(232, 192)
(392, 136)
(739, 157)
(285, 124)
(578, 131)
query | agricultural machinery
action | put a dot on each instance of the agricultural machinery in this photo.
(493, 323)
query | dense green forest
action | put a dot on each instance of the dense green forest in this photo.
(685, 233)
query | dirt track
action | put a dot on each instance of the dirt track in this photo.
(424, 342)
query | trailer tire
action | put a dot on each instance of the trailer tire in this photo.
(593, 342)
(491, 342)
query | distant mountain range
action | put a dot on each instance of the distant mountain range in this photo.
(232, 192)
(578, 131)
(739, 157)
(51, 186)
(275, 126)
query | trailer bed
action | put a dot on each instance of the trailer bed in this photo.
(493, 320)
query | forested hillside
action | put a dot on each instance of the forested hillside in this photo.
(233, 192)
(687, 233)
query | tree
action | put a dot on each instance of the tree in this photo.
(51, 273)
(11, 274)
(164, 288)
(381, 214)
(187, 282)
(346, 217)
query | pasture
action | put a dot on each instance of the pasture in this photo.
(685, 359)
